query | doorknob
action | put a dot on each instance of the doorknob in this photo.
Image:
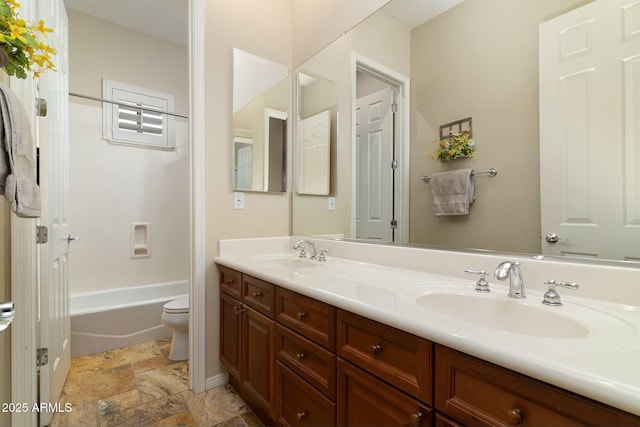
(554, 238)
(71, 238)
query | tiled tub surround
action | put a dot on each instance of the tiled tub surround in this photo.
(374, 280)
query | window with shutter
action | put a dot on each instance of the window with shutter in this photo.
(137, 118)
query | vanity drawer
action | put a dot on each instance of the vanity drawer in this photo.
(298, 403)
(230, 282)
(307, 359)
(397, 357)
(259, 295)
(312, 319)
(478, 393)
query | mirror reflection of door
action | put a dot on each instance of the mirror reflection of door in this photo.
(314, 154)
(374, 151)
(242, 163)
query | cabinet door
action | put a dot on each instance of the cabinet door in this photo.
(259, 357)
(364, 400)
(300, 404)
(230, 329)
(478, 393)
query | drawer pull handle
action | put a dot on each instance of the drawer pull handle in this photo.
(238, 309)
(514, 416)
(416, 418)
(301, 355)
(301, 415)
(229, 282)
(376, 349)
(301, 315)
(257, 294)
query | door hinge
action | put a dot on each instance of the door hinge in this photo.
(42, 234)
(394, 224)
(41, 107)
(42, 356)
(394, 164)
(394, 108)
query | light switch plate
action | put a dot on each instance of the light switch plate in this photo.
(238, 200)
(332, 203)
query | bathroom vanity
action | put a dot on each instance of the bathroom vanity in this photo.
(343, 343)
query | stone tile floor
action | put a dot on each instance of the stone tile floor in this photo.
(140, 386)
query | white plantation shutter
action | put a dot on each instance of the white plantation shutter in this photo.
(138, 121)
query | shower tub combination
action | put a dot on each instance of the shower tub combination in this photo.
(104, 320)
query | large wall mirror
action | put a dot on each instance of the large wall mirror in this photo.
(260, 105)
(460, 59)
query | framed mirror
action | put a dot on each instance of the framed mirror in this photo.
(260, 110)
(462, 60)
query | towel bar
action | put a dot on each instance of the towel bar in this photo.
(491, 172)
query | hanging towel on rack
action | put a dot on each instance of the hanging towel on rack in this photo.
(453, 192)
(17, 160)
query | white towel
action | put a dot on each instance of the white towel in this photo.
(17, 162)
(453, 192)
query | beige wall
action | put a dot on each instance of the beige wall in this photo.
(317, 23)
(384, 41)
(263, 29)
(480, 59)
(279, 30)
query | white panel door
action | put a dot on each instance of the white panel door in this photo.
(315, 140)
(590, 131)
(374, 176)
(53, 137)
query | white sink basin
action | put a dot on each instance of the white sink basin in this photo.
(508, 315)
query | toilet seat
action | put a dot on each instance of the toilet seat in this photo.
(180, 305)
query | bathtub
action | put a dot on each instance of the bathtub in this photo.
(104, 320)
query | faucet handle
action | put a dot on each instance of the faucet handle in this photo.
(552, 297)
(321, 257)
(481, 285)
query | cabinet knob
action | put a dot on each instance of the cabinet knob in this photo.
(376, 349)
(238, 309)
(416, 418)
(514, 416)
(301, 355)
(229, 281)
(257, 294)
(301, 415)
(301, 315)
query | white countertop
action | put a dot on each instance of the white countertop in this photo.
(603, 365)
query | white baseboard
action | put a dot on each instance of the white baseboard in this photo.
(217, 380)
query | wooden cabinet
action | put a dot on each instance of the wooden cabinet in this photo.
(301, 362)
(364, 400)
(478, 393)
(397, 357)
(247, 336)
(300, 404)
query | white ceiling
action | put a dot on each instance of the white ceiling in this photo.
(167, 19)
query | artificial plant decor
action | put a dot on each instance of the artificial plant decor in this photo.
(22, 46)
(455, 146)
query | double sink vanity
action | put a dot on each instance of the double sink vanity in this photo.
(390, 335)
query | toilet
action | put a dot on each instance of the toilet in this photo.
(175, 315)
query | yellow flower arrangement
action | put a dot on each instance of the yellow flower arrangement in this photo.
(457, 146)
(22, 46)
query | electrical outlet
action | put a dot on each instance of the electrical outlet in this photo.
(332, 203)
(238, 200)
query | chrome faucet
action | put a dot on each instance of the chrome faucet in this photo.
(516, 282)
(312, 246)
